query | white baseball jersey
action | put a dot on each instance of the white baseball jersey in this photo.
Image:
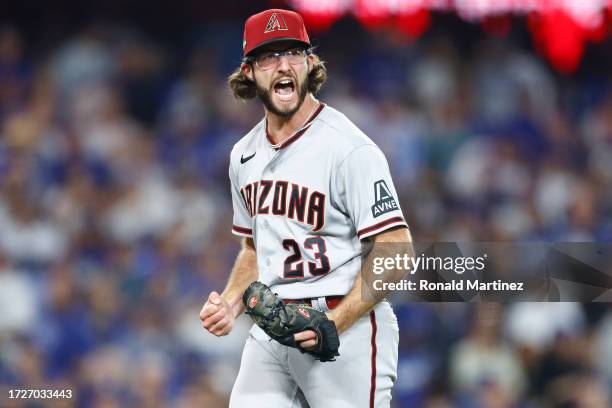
(308, 202)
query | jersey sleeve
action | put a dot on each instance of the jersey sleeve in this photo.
(367, 191)
(242, 224)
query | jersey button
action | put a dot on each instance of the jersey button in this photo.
(268, 262)
(266, 224)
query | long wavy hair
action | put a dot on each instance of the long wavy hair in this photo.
(244, 88)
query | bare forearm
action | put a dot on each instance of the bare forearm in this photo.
(354, 305)
(351, 308)
(243, 273)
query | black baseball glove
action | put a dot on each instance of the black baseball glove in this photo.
(281, 321)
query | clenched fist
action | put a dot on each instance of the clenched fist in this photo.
(217, 315)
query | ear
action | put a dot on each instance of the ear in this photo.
(311, 60)
(247, 70)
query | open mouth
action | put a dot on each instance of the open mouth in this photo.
(284, 89)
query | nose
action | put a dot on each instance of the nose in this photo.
(283, 63)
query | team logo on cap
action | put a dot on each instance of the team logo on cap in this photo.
(276, 22)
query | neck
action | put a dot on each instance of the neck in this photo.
(281, 128)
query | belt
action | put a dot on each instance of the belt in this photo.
(331, 301)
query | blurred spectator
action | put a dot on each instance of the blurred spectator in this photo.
(15, 71)
(26, 235)
(537, 326)
(603, 351)
(18, 300)
(483, 365)
(84, 60)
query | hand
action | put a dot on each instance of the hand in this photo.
(306, 339)
(217, 315)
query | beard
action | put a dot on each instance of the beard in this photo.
(266, 98)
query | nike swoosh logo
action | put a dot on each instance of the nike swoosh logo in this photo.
(246, 159)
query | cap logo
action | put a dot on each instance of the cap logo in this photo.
(276, 22)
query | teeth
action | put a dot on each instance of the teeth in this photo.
(285, 82)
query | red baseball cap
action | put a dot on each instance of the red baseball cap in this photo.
(271, 26)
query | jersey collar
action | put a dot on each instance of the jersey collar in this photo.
(297, 134)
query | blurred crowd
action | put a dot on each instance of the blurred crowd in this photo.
(115, 212)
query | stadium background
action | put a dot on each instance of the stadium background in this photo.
(115, 217)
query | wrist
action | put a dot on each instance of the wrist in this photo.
(235, 303)
(237, 308)
(334, 317)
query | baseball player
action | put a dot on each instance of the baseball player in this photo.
(307, 187)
